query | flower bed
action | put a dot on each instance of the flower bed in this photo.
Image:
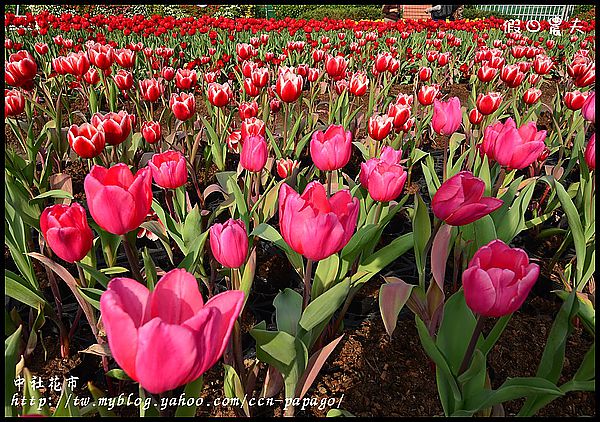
(310, 217)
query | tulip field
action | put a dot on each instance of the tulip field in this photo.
(256, 217)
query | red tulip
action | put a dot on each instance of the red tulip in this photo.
(380, 126)
(542, 65)
(151, 89)
(125, 57)
(167, 73)
(260, 77)
(186, 79)
(590, 153)
(251, 89)
(182, 105)
(382, 61)
(254, 153)
(249, 109)
(20, 69)
(151, 132)
(512, 148)
(118, 201)
(312, 224)
(532, 95)
(428, 93)
(253, 126)
(313, 74)
(168, 337)
(286, 167)
(383, 177)
(41, 48)
(574, 100)
(233, 141)
(447, 116)
(336, 66)
(498, 279)
(475, 117)
(123, 79)
(169, 169)
(66, 231)
(86, 140)
(101, 56)
(331, 150)
(14, 102)
(459, 200)
(229, 243)
(289, 86)
(359, 82)
(340, 86)
(219, 95)
(488, 103)
(511, 75)
(116, 126)
(425, 74)
(399, 114)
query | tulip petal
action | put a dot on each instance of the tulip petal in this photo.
(165, 356)
(176, 297)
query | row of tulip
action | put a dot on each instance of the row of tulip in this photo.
(327, 106)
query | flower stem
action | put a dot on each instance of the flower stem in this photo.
(471, 348)
(132, 258)
(307, 286)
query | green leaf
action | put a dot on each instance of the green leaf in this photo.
(150, 269)
(511, 389)
(17, 288)
(288, 310)
(232, 387)
(383, 257)
(325, 275)
(324, 306)
(513, 221)
(192, 389)
(118, 374)
(96, 275)
(421, 226)
(453, 338)
(65, 406)
(436, 355)
(575, 226)
(276, 348)
(97, 394)
(54, 193)
(11, 353)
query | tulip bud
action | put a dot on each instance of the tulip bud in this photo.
(460, 201)
(14, 102)
(169, 169)
(447, 116)
(286, 167)
(590, 153)
(498, 279)
(588, 110)
(229, 243)
(488, 103)
(66, 231)
(254, 153)
(182, 105)
(331, 150)
(151, 132)
(532, 95)
(475, 117)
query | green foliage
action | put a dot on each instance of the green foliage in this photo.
(332, 11)
(472, 12)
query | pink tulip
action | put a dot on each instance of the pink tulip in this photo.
(511, 147)
(498, 279)
(118, 201)
(384, 177)
(331, 150)
(459, 200)
(447, 116)
(169, 169)
(168, 337)
(314, 225)
(589, 108)
(590, 153)
(66, 231)
(254, 153)
(229, 243)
